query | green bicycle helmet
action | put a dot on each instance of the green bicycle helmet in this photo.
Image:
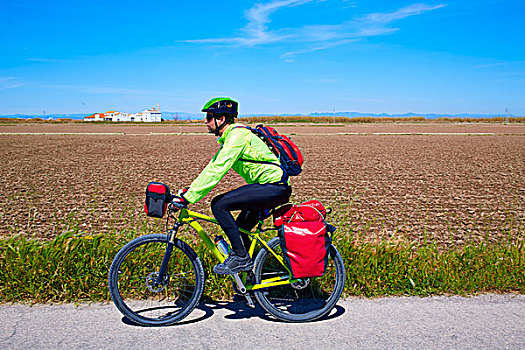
(222, 106)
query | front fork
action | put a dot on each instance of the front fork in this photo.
(172, 234)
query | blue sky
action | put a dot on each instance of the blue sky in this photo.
(277, 57)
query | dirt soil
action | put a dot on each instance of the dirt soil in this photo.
(447, 188)
(426, 127)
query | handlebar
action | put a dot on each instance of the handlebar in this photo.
(176, 206)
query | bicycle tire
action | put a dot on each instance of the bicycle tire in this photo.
(290, 303)
(134, 268)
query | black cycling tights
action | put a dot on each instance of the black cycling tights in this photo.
(251, 200)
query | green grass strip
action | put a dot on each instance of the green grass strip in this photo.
(74, 268)
(402, 269)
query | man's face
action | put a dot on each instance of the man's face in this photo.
(210, 123)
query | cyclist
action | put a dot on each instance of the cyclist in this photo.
(250, 157)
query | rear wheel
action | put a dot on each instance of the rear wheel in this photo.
(306, 300)
(133, 281)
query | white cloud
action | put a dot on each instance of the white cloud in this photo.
(99, 89)
(257, 31)
(258, 18)
(289, 56)
(44, 60)
(8, 83)
(497, 64)
(404, 12)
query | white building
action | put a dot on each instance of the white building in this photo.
(148, 115)
(97, 117)
(115, 116)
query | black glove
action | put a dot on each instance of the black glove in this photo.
(179, 202)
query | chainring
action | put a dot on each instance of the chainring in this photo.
(302, 284)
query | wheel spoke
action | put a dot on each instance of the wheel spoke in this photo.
(135, 291)
(305, 300)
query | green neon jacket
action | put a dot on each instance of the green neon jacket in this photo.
(236, 143)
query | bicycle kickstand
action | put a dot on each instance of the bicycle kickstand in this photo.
(243, 291)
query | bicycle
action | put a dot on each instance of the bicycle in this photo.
(158, 279)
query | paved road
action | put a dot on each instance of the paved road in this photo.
(485, 322)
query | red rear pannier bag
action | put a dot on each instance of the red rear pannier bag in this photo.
(157, 198)
(308, 211)
(305, 247)
(304, 239)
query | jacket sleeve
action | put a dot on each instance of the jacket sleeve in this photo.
(232, 149)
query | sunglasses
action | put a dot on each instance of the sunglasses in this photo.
(209, 117)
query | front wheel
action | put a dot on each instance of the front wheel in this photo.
(133, 278)
(303, 301)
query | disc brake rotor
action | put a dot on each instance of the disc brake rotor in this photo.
(151, 282)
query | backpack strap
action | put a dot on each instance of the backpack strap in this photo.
(284, 178)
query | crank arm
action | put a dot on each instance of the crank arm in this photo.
(243, 290)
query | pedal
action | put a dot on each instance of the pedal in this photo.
(243, 291)
(249, 300)
(240, 285)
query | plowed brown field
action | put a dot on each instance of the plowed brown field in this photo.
(449, 188)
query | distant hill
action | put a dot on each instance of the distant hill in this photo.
(404, 115)
(181, 116)
(46, 116)
(195, 116)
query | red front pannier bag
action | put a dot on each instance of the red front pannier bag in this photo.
(304, 238)
(157, 199)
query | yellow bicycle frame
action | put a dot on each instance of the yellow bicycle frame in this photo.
(190, 217)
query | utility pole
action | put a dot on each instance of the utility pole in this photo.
(333, 114)
(507, 114)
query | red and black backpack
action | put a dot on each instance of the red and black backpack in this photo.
(288, 153)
